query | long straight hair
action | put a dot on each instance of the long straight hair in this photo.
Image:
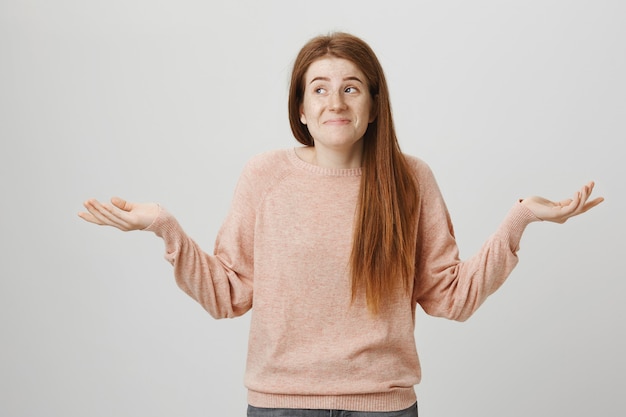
(384, 240)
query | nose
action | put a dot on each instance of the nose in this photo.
(337, 101)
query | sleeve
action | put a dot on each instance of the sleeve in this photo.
(445, 285)
(221, 282)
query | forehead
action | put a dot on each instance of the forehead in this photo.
(333, 67)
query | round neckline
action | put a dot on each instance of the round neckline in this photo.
(316, 169)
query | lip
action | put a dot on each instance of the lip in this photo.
(337, 122)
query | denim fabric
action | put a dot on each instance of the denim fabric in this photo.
(288, 412)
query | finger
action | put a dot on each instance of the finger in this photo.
(583, 204)
(591, 204)
(121, 218)
(92, 214)
(89, 218)
(95, 209)
(104, 214)
(566, 208)
(585, 192)
(580, 200)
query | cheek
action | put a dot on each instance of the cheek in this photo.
(307, 112)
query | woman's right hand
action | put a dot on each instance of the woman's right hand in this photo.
(120, 213)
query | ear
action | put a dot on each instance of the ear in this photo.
(302, 116)
(374, 109)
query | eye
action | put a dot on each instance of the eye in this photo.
(351, 90)
(320, 90)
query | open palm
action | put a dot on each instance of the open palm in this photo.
(120, 213)
(561, 211)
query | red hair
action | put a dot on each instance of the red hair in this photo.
(383, 249)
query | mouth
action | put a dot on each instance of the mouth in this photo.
(337, 122)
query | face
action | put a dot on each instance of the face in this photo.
(337, 106)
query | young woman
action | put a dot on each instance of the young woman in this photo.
(333, 244)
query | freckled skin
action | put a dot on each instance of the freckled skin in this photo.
(337, 108)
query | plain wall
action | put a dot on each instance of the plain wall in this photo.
(166, 100)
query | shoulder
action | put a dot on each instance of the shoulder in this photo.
(264, 170)
(266, 160)
(425, 178)
(420, 168)
(267, 164)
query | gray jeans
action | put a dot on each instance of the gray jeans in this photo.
(288, 412)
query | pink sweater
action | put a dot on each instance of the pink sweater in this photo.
(283, 252)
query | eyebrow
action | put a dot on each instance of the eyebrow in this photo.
(351, 78)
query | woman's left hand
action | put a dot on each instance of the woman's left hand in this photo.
(561, 211)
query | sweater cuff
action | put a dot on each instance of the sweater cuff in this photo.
(515, 223)
(164, 224)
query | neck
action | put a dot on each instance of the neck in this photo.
(332, 158)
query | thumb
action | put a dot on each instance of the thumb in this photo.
(121, 203)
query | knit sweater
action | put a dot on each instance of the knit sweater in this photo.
(282, 252)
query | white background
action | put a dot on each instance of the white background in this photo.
(158, 100)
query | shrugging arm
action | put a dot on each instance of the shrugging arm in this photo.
(222, 282)
(445, 285)
(214, 281)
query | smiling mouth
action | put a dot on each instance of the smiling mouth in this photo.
(337, 122)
